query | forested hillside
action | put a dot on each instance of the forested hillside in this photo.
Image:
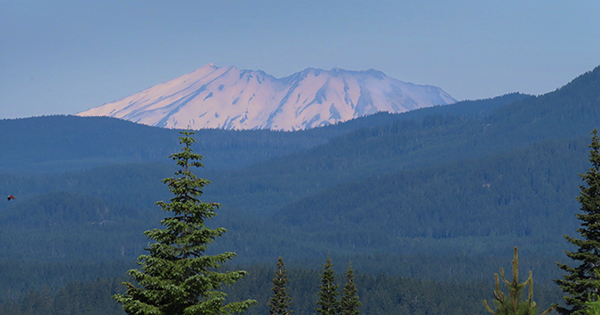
(60, 143)
(440, 193)
(434, 140)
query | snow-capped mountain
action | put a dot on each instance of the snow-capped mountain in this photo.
(229, 98)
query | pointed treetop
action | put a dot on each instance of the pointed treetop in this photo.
(177, 276)
(512, 304)
(349, 305)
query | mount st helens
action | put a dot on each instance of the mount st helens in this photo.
(229, 98)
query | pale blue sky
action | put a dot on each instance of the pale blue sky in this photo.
(62, 57)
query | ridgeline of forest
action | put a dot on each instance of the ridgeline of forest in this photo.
(440, 193)
(61, 143)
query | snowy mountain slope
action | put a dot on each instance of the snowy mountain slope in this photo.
(229, 98)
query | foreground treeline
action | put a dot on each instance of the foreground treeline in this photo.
(379, 294)
(17, 278)
(90, 298)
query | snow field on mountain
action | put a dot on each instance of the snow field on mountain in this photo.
(229, 98)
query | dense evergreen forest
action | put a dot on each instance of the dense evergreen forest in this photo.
(427, 205)
(59, 143)
(379, 294)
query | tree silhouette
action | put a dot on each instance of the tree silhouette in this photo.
(280, 302)
(512, 304)
(581, 281)
(349, 304)
(177, 277)
(328, 303)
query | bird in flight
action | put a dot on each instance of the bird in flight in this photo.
(11, 197)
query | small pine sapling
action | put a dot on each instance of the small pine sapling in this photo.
(512, 304)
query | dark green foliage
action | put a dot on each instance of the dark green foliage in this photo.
(349, 304)
(456, 213)
(17, 278)
(328, 303)
(593, 302)
(63, 226)
(177, 277)
(76, 298)
(37, 302)
(508, 198)
(513, 303)
(280, 302)
(375, 215)
(593, 307)
(380, 294)
(581, 281)
(432, 140)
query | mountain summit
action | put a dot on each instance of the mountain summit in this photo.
(229, 98)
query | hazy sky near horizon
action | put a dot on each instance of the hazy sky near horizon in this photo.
(63, 57)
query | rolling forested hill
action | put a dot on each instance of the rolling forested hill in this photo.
(61, 143)
(438, 193)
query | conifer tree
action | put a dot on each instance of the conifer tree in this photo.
(328, 303)
(349, 304)
(579, 282)
(593, 303)
(280, 302)
(177, 277)
(512, 304)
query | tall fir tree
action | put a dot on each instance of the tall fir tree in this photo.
(581, 281)
(328, 303)
(512, 304)
(177, 277)
(280, 302)
(349, 305)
